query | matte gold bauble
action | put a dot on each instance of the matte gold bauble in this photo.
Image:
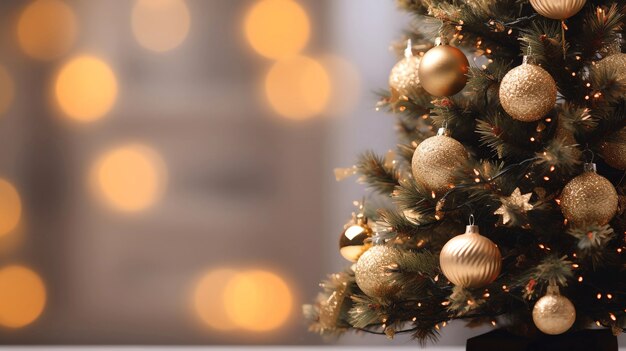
(527, 93)
(372, 270)
(589, 199)
(614, 152)
(554, 313)
(443, 70)
(435, 160)
(352, 242)
(404, 77)
(615, 62)
(470, 260)
(557, 9)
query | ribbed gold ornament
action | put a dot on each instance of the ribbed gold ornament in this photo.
(557, 9)
(528, 92)
(616, 62)
(554, 313)
(589, 199)
(404, 77)
(470, 260)
(443, 70)
(371, 270)
(435, 161)
(614, 152)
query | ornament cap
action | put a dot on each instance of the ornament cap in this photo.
(553, 289)
(472, 229)
(590, 167)
(442, 131)
(408, 52)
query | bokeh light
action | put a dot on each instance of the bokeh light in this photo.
(160, 25)
(46, 29)
(277, 28)
(10, 207)
(85, 88)
(298, 87)
(345, 82)
(129, 178)
(7, 90)
(208, 299)
(22, 296)
(258, 300)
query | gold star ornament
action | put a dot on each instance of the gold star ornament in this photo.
(516, 203)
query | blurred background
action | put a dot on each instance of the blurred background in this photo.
(166, 166)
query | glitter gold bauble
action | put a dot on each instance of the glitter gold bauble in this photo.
(353, 240)
(554, 313)
(403, 77)
(615, 62)
(557, 9)
(614, 152)
(470, 260)
(372, 270)
(527, 92)
(435, 160)
(589, 199)
(443, 70)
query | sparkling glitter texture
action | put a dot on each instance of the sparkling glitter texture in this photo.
(614, 152)
(554, 313)
(470, 260)
(435, 161)
(616, 62)
(589, 199)
(557, 9)
(404, 77)
(527, 93)
(372, 270)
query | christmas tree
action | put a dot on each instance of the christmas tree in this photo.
(503, 202)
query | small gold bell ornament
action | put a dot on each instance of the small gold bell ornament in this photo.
(470, 260)
(353, 241)
(554, 313)
(589, 198)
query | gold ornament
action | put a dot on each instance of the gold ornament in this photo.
(372, 270)
(513, 204)
(527, 92)
(443, 70)
(436, 159)
(353, 241)
(557, 9)
(404, 78)
(614, 152)
(554, 313)
(589, 198)
(615, 62)
(470, 260)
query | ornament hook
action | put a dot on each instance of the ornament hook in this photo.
(472, 220)
(408, 51)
